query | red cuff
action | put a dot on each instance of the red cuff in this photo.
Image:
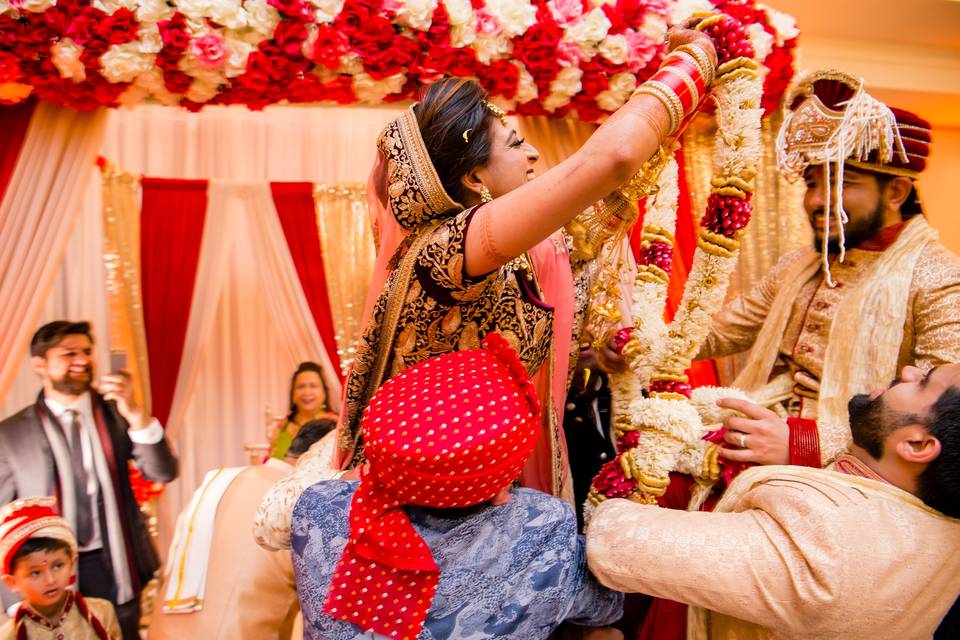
(804, 442)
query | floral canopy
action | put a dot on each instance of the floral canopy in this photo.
(535, 57)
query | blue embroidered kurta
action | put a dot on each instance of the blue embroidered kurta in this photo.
(511, 571)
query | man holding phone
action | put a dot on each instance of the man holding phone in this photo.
(75, 443)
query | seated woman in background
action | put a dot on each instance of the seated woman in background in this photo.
(308, 401)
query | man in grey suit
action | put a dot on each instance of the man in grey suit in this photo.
(75, 443)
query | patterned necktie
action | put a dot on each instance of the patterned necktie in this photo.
(73, 428)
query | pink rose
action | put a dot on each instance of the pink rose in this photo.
(569, 54)
(209, 50)
(641, 49)
(565, 11)
(486, 22)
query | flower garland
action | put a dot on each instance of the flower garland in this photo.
(664, 431)
(535, 57)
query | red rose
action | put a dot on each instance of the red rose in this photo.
(297, 9)
(500, 78)
(352, 17)
(439, 32)
(462, 62)
(168, 58)
(593, 83)
(9, 67)
(289, 37)
(381, 62)
(176, 81)
(119, 27)
(82, 28)
(329, 46)
(586, 108)
(106, 92)
(339, 90)
(173, 32)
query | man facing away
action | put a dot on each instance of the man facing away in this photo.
(823, 326)
(218, 583)
(75, 443)
(866, 549)
(432, 543)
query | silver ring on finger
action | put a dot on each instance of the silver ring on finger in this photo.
(743, 441)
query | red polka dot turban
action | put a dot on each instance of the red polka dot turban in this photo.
(829, 117)
(451, 431)
(31, 518)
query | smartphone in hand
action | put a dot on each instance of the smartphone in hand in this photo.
(118, 361)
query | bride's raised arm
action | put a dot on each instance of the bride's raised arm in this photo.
(518, 219)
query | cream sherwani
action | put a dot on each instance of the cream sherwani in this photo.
(790, 552)
(250, 592)
(922, 296)
(72, 626)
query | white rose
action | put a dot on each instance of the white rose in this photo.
(614, 49)
(351, 64)
(152, 82)
(783, 23)
(514, 16)
(66, 58)
(683, 9)
(261, 17)
(149, 39)
(416, 14)
(623, 82)
(526, 87)
(237, 53)
(153, 10)
(491, 47)
(567, 82)
(373, 91)
(459, 11)
(123, 62)
(600, 3)
(464, 35)
(228, 13)
(205, 86)
(4, 6)
(554, 101)
(591, 28)
(327, 10)
(610, 100)
(133, 95)
(761, 40)
(109, 6)
(655, 27)
(35, 6)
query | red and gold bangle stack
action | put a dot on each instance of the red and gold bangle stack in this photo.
(680, 83)
(804, 442)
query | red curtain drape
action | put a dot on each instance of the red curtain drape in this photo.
(172, 216)
(298, 217)
(15, 121)
(701, 372)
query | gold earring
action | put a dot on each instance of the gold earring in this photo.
(485, 195)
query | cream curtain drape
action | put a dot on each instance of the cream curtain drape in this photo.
(250, 325)
(38, 221)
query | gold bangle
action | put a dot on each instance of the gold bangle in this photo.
(671, 97)
(667, 98)
(706, 66)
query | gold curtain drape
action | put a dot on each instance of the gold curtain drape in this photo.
(121, 259)
(348, 256)
(778, 224)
